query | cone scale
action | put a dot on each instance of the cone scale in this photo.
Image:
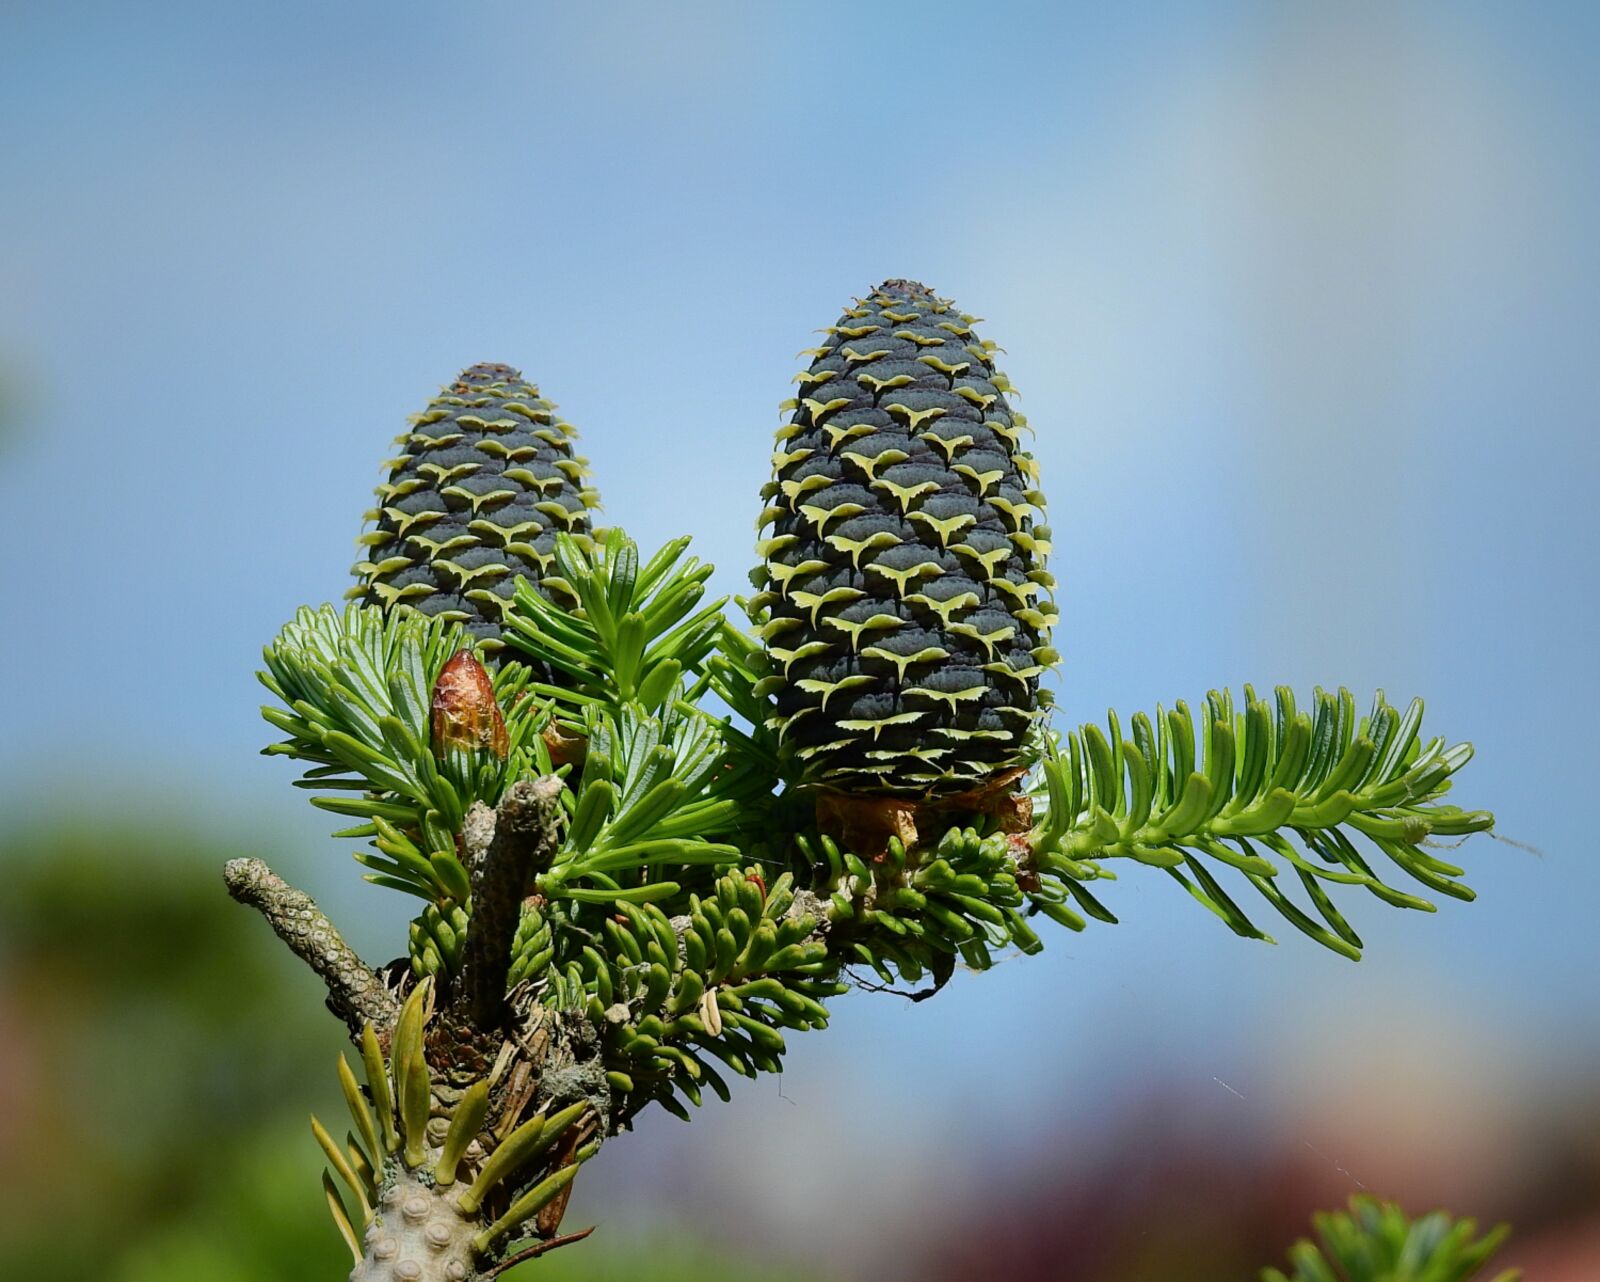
(486, 479)
(904, 603)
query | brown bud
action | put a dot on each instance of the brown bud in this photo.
(565, 748)
(465, 713)
(865, 824)
(1013, 811)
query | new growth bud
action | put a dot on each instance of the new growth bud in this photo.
(465, 712)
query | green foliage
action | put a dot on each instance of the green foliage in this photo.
(437, 939)
(533, 947)
(1235, 789)
(356, 687)
(743, 966)
(157, 1058)
(654, 916)
(1376, 1242)
(961, 898)
(667, 793)
(634, 634)
(656, 800)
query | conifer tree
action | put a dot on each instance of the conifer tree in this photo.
(650, 844)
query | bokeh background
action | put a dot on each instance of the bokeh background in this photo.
(1302, 299)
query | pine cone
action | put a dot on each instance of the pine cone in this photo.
(905, 609)
(486, 480)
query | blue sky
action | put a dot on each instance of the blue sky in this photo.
(1301, 301)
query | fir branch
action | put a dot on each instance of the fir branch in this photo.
(665, 790)
(357, 688)
(355, 993)
(1233, 789)
(653, 924)
(636, 632)
(505, 849)
(1376, 1241)
(693, 902)
(659, 798)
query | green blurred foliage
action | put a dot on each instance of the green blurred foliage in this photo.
(159, 1053)
(163, 1056)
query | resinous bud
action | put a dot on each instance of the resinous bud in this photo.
(466, 715)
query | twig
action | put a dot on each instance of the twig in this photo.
(917, 995)
(505, 848)
(538, 1249)
(355, 993)
(550, 1215)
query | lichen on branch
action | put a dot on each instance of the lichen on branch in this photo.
(355, 992)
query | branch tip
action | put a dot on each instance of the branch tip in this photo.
(355, 993)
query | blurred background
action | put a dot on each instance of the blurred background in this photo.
(1302, 301)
